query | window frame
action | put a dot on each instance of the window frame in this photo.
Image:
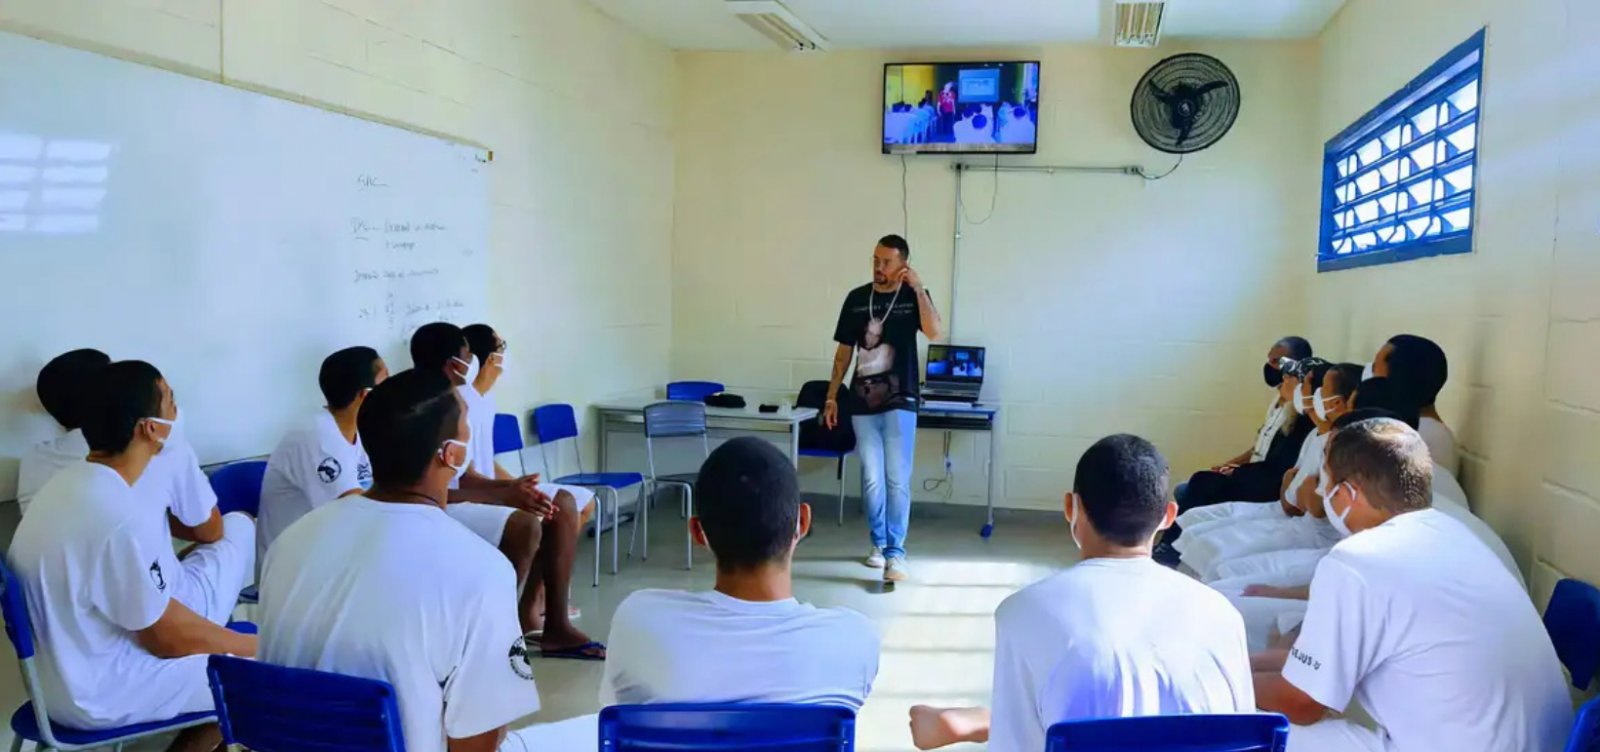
(1431, 87)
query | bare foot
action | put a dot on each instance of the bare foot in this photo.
(932, 728)
(555, 640)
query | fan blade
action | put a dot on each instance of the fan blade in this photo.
(1183, 135)
(1213, 86)
(1160, 94)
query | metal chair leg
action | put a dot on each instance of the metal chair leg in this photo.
(688, 536)
(599, 531)
(16, 744)
(841, 488)
(654, 489)
(616, 539)
(633, 532)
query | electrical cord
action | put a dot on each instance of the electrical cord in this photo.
(1153, 178)
(905, 213)
(993, 197)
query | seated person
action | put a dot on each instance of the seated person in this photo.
(1298, 522)
(322, 460)
(1258, 474)
(177, 490)
(510, 514)
(1098, 640)
(747, 639)
(124, 628)
(1420, 365)
(572, 503)
(1413, 617)
(387, 586)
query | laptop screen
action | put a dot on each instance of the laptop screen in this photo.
(955, 363)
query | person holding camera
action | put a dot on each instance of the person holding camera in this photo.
(1256, 475)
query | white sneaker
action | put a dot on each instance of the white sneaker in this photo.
(874, 559)
(896, 570)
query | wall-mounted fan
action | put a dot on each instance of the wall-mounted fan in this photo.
(1185, 103)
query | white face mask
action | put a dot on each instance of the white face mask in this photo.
(498, 360)
(1297, 401)
(1366, 373)
(1320, 405)
(472, 369)
(466, 455)
(1335, 519)
(172, 431)
(1072, 527)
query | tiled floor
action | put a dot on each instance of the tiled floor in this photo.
(938, 629)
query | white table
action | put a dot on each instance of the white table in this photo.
(628, 413)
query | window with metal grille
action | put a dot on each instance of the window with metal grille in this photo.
(1399, 184)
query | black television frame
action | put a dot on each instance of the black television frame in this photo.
(883, 81)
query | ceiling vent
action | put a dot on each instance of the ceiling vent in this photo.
(777, 23)
(1138, 24)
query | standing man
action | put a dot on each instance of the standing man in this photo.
(882, 320)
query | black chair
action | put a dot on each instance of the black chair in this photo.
(817, 440)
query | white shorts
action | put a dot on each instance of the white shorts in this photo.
(580, 734)
(488, 521)
(212, 575)
(1335, 735)
(583, 497)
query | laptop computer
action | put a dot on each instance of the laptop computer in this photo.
(954, 374)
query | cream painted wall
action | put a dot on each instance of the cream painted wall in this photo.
(1517, 316)
(576, 107)
(1108, 304)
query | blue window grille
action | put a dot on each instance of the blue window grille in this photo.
(1399, 183)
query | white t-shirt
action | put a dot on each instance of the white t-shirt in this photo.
(1308, 468)
(173, 480)
(404, 594)
(311, 466)
(1114, 638)
(1441, 443)
(1278, 413)
(480, 420)
(1419, 622)
(673, 646)
(95, 571)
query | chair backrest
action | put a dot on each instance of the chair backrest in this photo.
(693, 390)
(1256, 732)
(734, 726)
(814, 435)
(1573, 620)
(552, 423)
(269, 708)
(238, 486)
(507, 433)
(664, 420)
(1585, 735)
(14, 605)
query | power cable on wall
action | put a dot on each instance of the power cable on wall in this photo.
(994, 196)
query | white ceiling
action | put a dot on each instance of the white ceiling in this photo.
(706, 25)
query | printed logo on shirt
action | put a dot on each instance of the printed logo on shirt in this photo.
(1315, 664)
(520, 664)
(330, 470)
(364, 475)
(156, 576)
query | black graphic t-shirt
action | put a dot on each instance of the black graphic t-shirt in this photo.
(887, 375)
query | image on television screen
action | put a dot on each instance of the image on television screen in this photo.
(960, 108)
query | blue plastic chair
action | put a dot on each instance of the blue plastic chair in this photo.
(1256, 732)
(751, 727)
(269, 708)
(508, 438)
(673, 419)
(238, 489)
(556, 423)
(31, 722)
(697, 391)
(1573, 620)
(1585, 735)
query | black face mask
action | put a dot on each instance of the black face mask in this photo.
(1271, 375)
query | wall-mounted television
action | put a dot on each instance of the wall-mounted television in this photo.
(961, 108)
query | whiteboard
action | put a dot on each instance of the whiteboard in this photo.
(232, 239)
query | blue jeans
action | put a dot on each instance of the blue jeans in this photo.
(884, 444)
